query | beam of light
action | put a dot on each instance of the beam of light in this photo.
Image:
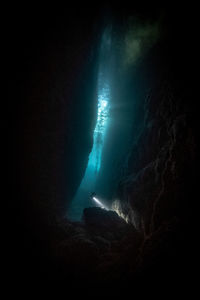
(98, 202)
(94, 162)
(90, 178)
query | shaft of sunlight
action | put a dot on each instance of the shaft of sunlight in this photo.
(88, 183)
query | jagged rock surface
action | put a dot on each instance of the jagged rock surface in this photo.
(95, 247)
(152, 189)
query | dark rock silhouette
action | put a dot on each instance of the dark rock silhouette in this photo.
(96, 217)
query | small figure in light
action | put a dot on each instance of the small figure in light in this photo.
(92, 195)
(94, 198)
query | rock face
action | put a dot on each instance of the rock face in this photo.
(157, 171)
(96, 250)
(55, 91)
(160, 182)
(158, 178)
(96, 217)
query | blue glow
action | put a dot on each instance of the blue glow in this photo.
(89, 180)
(100, 129)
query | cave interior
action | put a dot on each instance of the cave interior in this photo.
(102, 102)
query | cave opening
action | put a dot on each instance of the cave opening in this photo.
(89, 181)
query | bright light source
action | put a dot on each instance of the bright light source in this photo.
(104, 103)
(97, 201)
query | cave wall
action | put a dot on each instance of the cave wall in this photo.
(53, 104)
(159, 173)
(157, 168)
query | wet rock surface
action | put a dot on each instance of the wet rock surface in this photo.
(104, 222)
(104, 249)
(153, 189)
(96, 246)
